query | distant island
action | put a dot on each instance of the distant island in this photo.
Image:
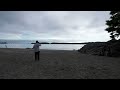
(3, 42)
(42, 43)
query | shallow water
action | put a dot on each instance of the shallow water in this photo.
(27, 44)
(51, 46)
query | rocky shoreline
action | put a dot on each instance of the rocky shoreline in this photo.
(110, 48)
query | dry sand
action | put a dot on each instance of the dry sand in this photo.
(56, 64)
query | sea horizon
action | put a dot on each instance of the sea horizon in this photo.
(27, 44)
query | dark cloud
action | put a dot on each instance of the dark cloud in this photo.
(53, 25)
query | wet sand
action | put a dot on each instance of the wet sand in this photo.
(56, 64)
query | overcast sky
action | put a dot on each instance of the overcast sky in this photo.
(67, 26)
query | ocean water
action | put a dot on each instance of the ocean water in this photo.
(27, 44)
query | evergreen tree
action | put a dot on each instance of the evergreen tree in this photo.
(114, 24)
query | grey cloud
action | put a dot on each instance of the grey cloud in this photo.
(11, 22)
(22, 21)
(99, 19)
(10, 17)
(60, 25)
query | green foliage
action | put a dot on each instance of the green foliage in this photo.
(114, 24)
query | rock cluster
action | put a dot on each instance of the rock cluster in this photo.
(110, 48)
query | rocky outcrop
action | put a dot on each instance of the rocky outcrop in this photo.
(110, 48)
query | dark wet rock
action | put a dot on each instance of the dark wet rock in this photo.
(110, 48)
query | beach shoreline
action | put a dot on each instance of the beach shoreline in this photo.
(56, 64)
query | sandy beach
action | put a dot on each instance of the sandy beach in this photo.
(56, 64)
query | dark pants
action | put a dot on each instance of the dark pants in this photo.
(37, 55)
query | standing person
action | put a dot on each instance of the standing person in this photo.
(36, 50)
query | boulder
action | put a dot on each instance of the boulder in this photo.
(110, 48)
